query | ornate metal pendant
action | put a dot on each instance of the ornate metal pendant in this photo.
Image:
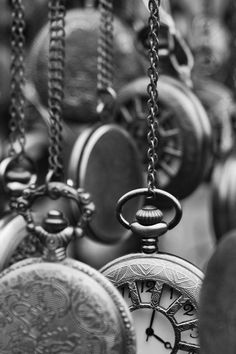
(161, 290)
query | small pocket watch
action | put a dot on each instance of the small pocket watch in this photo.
(161, 290)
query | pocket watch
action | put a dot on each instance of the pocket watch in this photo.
(180, 133)
(161, 290)
(82, 26)
(104, 161)
(217, 301)
(54, 303)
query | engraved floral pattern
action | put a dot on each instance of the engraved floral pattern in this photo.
(57, 310)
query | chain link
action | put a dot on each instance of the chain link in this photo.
(105, 47)
(17, 106)
(153, 73)
(57, 11)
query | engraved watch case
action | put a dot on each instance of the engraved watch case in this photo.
(67, 306)
(54, 303)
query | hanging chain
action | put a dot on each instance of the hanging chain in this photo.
(105, 46)
(57, 11)
(153, 73)
(17, 106)
(233, 52)
(206, 12)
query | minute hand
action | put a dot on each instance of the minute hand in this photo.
(166, 344)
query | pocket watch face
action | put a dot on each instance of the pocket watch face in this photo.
(155, 329)
(161, 292)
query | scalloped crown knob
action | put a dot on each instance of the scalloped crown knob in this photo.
(149, 215)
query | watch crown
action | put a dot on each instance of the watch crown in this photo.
(149, 215)
(55, 221)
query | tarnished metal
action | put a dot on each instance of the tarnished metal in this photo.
(17, 170)
(56, 64)
(55, 190)
(153, 72)
(17, 173)
(17, 107)
(105, 65)
(156, 193)
(66, 306)
(56, 302)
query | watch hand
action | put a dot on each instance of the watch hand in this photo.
(166, 344)
(149, 330)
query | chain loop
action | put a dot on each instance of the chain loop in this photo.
(153, 73)
(105, 47)
(17, 106)
(57, 11)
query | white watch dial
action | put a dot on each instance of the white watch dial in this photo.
(165, 320)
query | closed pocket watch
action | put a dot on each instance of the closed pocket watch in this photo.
(223, 196)
(82, 27)
(217, 300)
(104, 161)
(161, 290)
(56, 304)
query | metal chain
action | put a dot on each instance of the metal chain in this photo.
(17, 106)
(233, 52)
(57, 11)
(206, 12)
(153, 73)
(207, 8)
(105, 46)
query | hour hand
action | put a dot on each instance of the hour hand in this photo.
(149, 330)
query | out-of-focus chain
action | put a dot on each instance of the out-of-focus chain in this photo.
(57, 11)
(153, 73)
(105, 65)
(17, 106)
(207, 14)
(233, 52)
